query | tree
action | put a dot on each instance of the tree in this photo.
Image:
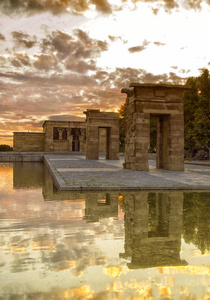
(197, 113)
(122, 116)
(5, 148)
(196, 214)
(153, 134)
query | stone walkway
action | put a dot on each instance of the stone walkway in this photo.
(74, 172)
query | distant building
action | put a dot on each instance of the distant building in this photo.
(57, 136)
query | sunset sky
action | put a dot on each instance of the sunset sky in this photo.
(61, 57)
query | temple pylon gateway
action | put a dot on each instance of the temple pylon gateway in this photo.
(165, 102)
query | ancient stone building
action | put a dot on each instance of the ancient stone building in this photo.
(166, 103)
(57, 136)
(62, 136)
(99, 133)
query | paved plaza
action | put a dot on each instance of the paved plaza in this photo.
(74, 172)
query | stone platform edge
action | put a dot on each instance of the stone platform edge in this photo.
(62, 185)
(59, 182)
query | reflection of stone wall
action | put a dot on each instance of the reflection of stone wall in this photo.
(97, 204)
(28, 175)
(28, 141)
(100, 205)
(153, 228)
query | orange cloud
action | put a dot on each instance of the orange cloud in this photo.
(113, 271)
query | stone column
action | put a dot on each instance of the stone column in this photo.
(82, 141)
(92, 147)
(60, 130)
(176, 143)
(114, 142)
(137, 142)
(163, 144)
(69, 138)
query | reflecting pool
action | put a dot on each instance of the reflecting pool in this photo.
(100, 245)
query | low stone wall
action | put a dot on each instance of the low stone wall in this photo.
(21, 156)
(13, 156)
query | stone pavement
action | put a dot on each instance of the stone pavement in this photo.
(74, 172)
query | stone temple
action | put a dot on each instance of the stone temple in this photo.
(100, 131)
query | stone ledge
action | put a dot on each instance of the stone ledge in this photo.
(14, 156)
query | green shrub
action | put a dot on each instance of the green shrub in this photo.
(6, 148)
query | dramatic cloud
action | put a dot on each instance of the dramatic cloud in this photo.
(159, 44)
(58, 51)
(76, 52)
(139, 48)
(175, 78)
(80, 66)
(148, 77)
(55, 7)
(65, 118)
(81, 6)
(19, 60)
(2, 37)
(60, 42)
(136, 49)
(61, 57)
(45, 62)
(114, 38)
(30, 99)
(23, 40)
(102, 6)
(170, 4)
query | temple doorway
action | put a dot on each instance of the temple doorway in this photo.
(104, 141)
(75, 132)
(102, 122)
(159, 139)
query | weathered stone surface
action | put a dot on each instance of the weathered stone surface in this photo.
(28, 141)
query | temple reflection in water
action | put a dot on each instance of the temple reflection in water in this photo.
(152, 220)
(100, 245)
(153, 228)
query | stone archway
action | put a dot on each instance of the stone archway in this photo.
(166, 102)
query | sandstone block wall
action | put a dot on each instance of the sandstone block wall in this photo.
(28, 141)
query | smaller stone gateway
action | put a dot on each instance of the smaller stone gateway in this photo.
(109, 121)
(165, 102)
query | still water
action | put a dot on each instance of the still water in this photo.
(98, 245)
